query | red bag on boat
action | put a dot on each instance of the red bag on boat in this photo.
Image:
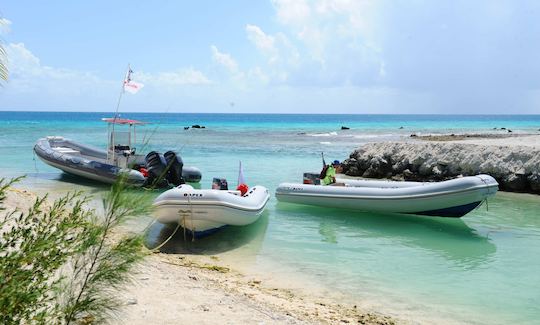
(243, 188)
(144, 171)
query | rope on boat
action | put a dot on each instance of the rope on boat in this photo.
(34, 159)
(180, 223)
(191, 219)
(157, 248)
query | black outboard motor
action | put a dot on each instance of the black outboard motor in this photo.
(157, 170)
(175, 165)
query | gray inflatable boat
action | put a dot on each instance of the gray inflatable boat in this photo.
(452, 198)
(96, 164)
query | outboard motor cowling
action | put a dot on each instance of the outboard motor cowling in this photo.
(157, 169)
(175, 166)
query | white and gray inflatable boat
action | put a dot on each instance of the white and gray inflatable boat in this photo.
(92, 163)
(452, 198)
(204, 211)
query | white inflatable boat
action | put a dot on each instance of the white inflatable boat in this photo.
(453, 198)
(203, 211)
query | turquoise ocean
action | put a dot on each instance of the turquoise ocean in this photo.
(482, 268)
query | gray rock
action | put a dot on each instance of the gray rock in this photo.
(352, 171)
(534, 182)
(515, 182)
(408, 175)
(517, 168)
(372, 173)
(426, 169)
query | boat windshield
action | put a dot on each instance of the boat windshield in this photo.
(120, 138)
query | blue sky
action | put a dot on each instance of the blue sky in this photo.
(281, 56)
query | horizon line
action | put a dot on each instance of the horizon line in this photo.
(265, 113)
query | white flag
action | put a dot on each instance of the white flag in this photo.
(132, 86)
(241, 179)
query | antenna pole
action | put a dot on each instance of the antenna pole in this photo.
(111, 144)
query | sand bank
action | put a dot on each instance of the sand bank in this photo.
(173, 289)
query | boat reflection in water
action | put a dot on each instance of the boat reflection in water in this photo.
(248, 237)
(450, 238)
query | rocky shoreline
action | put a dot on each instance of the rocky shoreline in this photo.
(515, 167)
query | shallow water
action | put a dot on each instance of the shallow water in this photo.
(481, 268)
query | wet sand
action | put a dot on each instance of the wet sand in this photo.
(173, 289)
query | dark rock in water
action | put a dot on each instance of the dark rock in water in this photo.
(345, 128)
(372, 173)
(494, 128)
(196, 126)
(452, 135)
(400, 166)
(509, 131)
(349, 162)
(186, 127)
(413, 135)
(408, 175)
(425, 170)
(401, 128)
(352, 170)
(443, 163)
(534, 182)
(515, 182)
(378, 167)
(503, 128)
(203, 127)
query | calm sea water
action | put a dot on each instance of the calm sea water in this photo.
(483, 268)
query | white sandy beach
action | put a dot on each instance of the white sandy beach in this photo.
(172, 289)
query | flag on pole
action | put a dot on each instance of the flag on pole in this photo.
(241, 179)
(130, 85)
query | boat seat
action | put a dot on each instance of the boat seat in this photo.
(66, 150)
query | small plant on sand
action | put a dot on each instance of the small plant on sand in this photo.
(60, 263)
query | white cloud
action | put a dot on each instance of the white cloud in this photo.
(182, 77)
(224, 59)
(265, 43)
(21, 60)
(33, 85)
(5, 26)
(292, 12)
(325, 42)
(259, 75)
(28, 75)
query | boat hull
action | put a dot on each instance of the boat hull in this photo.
(91, 164)
(205, 210)
(94, 169)
(453, 198)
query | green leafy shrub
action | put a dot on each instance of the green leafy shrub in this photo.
(60, 263)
